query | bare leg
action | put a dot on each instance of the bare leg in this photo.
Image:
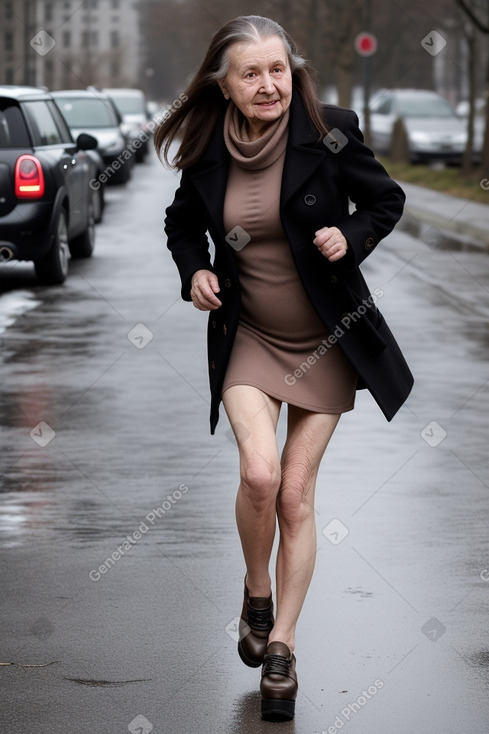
(308, 435)
(253, 416)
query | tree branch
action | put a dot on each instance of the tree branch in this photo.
(483, 27)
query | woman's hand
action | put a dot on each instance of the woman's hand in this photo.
(331, 243)
(204, 287)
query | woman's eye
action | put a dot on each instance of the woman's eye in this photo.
(250, 75)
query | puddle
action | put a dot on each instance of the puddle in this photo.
(13, 305)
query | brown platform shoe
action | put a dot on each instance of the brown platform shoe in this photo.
(254, 627)
(278, 685)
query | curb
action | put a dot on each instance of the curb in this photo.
(467, 233)
(443, 229)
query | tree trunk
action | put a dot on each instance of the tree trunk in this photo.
(348, 18)
(485, 145)
(467, 161)
(399, 150)
(482, 23)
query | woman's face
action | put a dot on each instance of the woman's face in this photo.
(259, 81)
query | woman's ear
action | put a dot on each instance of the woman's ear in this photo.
(225, 92)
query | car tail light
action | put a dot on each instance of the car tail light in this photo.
(29, 178)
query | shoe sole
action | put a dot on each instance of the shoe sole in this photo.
(277, 709)
(246, 660)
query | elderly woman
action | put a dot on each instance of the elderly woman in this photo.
(268, 171)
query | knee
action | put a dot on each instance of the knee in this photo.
(260, 482)
(295, 503)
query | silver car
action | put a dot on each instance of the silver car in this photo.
(91, 111)
(132, 106)
(433, 131)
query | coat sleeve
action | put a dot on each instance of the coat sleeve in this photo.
(186, 227)
(378, 200)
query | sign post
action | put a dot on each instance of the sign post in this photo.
(366, 46)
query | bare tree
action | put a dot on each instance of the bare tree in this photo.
(177, 33)
(478, 12)
(345, 24)
(471, 38)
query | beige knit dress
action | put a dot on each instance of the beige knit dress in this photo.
(281, 344)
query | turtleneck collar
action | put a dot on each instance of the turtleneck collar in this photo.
(254, 154)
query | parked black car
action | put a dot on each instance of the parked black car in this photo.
(46, 205)
(94, 112)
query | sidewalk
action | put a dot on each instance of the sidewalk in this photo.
(449, 218)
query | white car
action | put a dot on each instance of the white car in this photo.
(433, 130)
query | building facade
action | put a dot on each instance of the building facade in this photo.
(68, 44)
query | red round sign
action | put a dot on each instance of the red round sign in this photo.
(365, 44)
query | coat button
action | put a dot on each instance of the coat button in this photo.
(213, 365)
(227, 283)
(224, 329)
(310, 200)
(369, 243)
(333, 279)
(214, 324)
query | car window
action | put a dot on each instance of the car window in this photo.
(421, 106)
(116, 111)
(13, 131)
(86, 113)
(133, 105)
(384, 107)
(42, 123)
(63, 128)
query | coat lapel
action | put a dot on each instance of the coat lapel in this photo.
(303, 155)
(210, 175)
(211, 185)
(300, 164)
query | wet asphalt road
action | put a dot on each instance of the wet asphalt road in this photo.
(106, 454)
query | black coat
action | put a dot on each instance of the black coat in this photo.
(318, 179)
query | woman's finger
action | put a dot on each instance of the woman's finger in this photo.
(336, 254)
(331, 243)
(205, 285)
(328, 235)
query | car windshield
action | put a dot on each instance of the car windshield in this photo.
(87, 113)
(130, 104)
(421, 106)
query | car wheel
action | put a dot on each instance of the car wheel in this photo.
(52, 268)
(98, 201)
(126, 172)
(130, 166)
(82, 246)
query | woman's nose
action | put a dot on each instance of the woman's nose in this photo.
(267, 84)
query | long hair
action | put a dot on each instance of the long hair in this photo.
(204, 102)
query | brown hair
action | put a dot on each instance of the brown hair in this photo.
(204, 101)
